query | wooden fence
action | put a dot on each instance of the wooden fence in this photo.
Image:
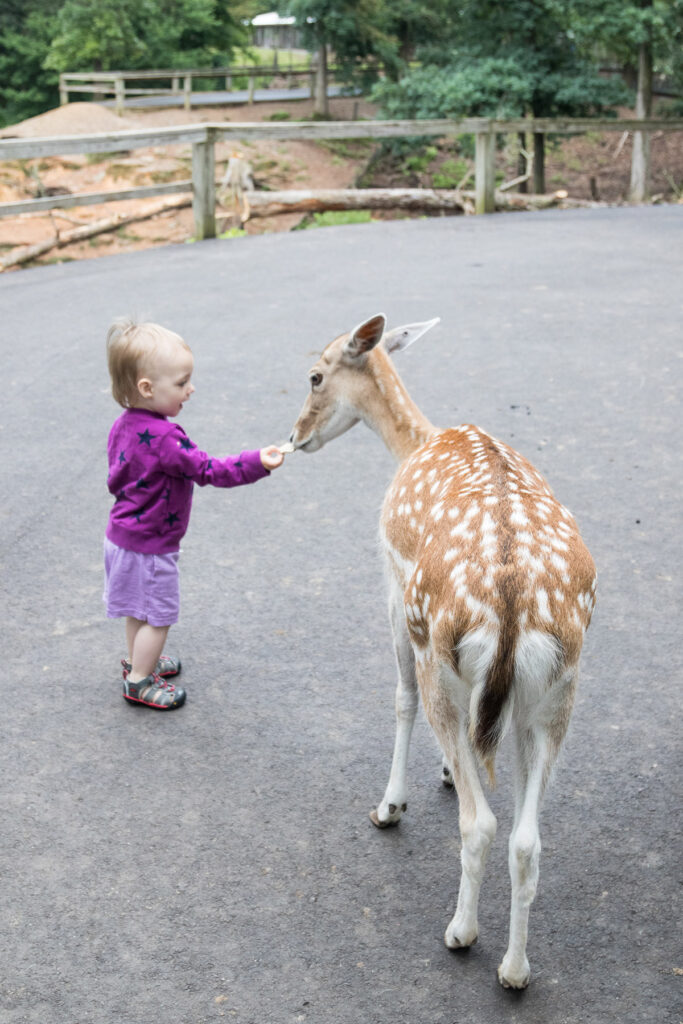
(204, 137)
(117, 83)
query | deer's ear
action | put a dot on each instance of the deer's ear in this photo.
(401, 337)
(364, 337)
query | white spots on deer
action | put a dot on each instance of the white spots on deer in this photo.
(542, 605)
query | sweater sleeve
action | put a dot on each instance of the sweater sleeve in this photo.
(180, 457)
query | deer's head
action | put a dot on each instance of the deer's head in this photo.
(348, 380)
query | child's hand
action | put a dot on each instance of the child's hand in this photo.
(271, 457)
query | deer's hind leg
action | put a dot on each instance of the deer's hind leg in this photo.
(477, 821)
(394, 801)
(538, 732)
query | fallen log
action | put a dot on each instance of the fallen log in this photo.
(424, 200)
(268, 204)
(97, 227)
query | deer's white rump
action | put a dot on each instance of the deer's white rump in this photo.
(491, 592)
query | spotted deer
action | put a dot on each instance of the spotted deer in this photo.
(491, 592)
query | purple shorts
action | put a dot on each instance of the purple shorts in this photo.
(142, 586)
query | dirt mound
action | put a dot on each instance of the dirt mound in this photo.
(73, 119)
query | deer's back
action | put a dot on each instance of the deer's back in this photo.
(477, 540)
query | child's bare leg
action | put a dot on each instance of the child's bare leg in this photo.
(132, 627)
(145, 644)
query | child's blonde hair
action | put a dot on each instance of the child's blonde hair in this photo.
(131, 347)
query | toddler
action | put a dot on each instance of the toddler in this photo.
(153, 466)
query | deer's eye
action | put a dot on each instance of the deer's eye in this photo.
(316, 379)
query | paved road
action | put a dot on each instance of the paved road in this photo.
(218, 863)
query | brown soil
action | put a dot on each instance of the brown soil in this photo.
(595, 166)
(277, 165)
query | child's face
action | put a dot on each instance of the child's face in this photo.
(167, 383)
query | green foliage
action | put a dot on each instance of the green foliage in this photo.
(450, 174)
(280, 115)
(335, 218)
(503, 60)
(417, 163)
(39, 38)
(26, 88)
(96, 34)
(129, 34)
(233, 233)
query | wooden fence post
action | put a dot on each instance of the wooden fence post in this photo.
(640, 158)
(187, 91)
(640, 167)
(63, 91)
(204, 186)
(484, 171)
(120, 93)
(252, 84)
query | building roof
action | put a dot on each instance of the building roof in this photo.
(271, 19)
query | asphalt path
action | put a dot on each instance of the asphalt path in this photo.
(218, 862)
(224, 98)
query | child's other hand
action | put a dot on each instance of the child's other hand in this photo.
(271, 457)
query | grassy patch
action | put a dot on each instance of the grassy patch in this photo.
(280, 115)
(450, 174)
(335, 218)
(348, 149)
(417, 163)
(99, 158)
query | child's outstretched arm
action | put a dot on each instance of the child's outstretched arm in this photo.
(179, 456)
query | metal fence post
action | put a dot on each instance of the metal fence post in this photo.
(484, 171)
(204, 186)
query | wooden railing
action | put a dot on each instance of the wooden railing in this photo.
(116, 83)
(203, 138)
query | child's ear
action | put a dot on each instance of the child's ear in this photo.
(145, 387)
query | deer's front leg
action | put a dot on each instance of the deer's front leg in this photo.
(395, 797)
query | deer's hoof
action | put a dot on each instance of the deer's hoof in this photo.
(512, 979)
(454, 940)
(395, 813)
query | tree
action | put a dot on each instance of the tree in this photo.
(97, 35)
(26, 87)
(351, 28)
(386, 31)
(506, 60)
(646, 37)
(128, 34)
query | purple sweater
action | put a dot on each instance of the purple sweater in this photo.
(153, 467)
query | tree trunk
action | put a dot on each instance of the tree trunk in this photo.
(539, 163)
(522, 162)
(640, 160)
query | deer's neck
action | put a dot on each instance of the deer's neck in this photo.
(391, 412)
